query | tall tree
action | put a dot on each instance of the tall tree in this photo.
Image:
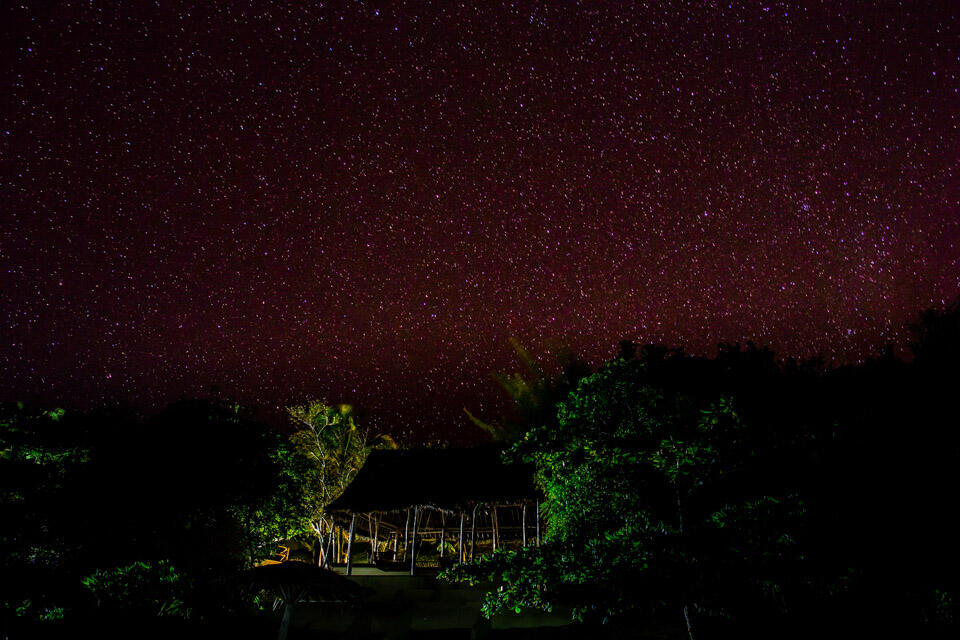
(658, 498)
(331, 438)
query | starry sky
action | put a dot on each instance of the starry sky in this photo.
(364, 201)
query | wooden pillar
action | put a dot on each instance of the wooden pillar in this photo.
(396, 537)
(538, 523)
(406, 535)
(523, 523)
(473, 533)
(443, 523)
(353, 522)
(460, 543)
(413, 541)
(494, 526)
(373, 538)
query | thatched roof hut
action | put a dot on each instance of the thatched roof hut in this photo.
(443, 479)
(464, 498)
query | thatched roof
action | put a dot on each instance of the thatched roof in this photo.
(448, 479)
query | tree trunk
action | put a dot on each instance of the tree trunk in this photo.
(353, 522)
(328, 548)
(676, 488)
(538, 523)
(318, 548)
(688, 621)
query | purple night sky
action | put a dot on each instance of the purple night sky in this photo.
(364, 201)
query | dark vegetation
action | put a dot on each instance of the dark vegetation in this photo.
(737, 494)
(107, 519)
(743, 495)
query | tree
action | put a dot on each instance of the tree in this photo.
(656, 501)
(231, 487)
(104, 505)
(337, 446)
(41, 454)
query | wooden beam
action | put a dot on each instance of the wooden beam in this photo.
(353, 522)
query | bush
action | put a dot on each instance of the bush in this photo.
(148, 588)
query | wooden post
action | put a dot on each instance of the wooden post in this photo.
(494, 526)
(473, 533)
(413, 540)
(460, 543)
(538, 523)
(396, 538)
(443, 523)
(406, 535)
(353, 522)
(523, 523)
(328, 549)
(373, 539)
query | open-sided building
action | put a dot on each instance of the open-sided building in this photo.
(459, 502)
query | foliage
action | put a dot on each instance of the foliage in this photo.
(654, 500)
(41, 453)
(330, 437)
(153, 588)
(104, 498)
(744, 489)
(237, 488)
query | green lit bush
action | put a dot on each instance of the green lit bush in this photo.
(147, 588)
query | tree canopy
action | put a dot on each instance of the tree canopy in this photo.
(739, 490)
(174, 503)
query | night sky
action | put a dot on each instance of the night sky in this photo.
(364, 201)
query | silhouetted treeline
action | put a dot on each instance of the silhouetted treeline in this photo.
(746, 491)
(105, 513)
(754, 495)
